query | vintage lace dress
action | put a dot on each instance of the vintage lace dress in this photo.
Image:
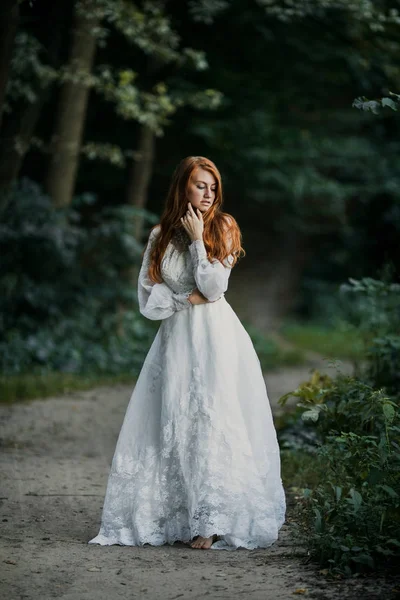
(197, 453)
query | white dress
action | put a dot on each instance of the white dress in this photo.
(197, 453)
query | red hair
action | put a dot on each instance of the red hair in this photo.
(221, 234)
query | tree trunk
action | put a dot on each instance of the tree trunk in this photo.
(9, 15)
(136, 195)
(68, 131)
(20, 124)
(138, 184)
(140, 176)
(14, 143)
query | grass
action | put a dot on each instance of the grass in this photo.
(330, 341)
(28, 386)
(270, 353)
(299, 469)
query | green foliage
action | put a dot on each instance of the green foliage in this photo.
(376, 15)
(151, 108)
(299, 468)
(205, 11)
(345, 404)
(62, 287)
(85, 342)
(270, 353)
(147, 28)
(28, 386)
(108, 152)
(376, 314)
(337, 341)
(350, 515)
(63, 284)
(28, 70)
(374, 106)
(384, 362)
(316, 170)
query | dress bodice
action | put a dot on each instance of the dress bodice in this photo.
(177, 269)
(183, 268)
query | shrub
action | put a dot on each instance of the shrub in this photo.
(351, 515)
(376, 314)
(62, 287)
(350, 512)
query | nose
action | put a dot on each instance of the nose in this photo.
(207, 192)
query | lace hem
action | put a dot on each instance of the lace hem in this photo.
(126, 536)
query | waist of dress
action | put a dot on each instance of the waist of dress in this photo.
(210, 302)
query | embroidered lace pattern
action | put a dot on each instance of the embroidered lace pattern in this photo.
(197, 453)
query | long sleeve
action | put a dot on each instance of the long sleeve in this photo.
(157, 300)
(211, 277)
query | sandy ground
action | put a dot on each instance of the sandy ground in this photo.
(55, 459)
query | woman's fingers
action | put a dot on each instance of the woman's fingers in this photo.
(192, 212)
(192, 222)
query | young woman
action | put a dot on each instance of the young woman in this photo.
(197, 458)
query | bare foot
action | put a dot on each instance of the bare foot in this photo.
(202, 542)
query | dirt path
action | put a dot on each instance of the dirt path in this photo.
(54, 465)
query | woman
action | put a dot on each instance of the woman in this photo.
(197, 458)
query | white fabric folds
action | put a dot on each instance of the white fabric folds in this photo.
(197, 453)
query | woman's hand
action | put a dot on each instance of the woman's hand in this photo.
(193, 223)
(196, 297)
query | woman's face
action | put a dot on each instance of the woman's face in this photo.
(202, 189)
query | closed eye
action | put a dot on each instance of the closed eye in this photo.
(203, 187)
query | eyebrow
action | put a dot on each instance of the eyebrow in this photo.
(201, 181)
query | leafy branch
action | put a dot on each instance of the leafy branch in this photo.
(363, 103)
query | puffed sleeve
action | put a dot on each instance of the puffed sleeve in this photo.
(211, 277)
(157, 300)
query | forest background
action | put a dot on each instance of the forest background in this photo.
(296, 104)
(101, 99)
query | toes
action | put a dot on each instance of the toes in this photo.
(202, 543)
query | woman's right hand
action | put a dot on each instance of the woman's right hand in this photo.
(196, 297)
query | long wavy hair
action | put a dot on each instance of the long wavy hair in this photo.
(219, 227)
